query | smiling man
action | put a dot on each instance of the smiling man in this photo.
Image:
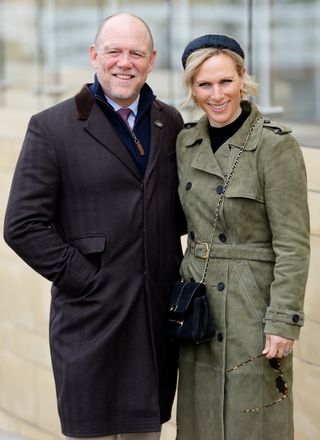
(93, 208)
(122, 56)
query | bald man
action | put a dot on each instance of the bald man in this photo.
(93, 208)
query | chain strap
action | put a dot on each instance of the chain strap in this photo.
(235, 163)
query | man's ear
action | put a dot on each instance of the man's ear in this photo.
(93, 55)
(152, 60)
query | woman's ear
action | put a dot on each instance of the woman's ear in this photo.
(243, 77)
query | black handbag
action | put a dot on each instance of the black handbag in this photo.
(190, 319)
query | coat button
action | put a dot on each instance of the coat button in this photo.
(222, 238)
(219, 189)
(191, 235)
(295, 318)
(220, 286)
(220, 337)
(188, 186)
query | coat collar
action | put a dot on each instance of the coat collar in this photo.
(204, 159)
(84, 103)
(100, 128)
(157, 129)
(239, 137)
(198, 133)
(219, 163)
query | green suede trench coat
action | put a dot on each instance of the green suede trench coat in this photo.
(256, 277)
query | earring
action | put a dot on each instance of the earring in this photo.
(241, 93)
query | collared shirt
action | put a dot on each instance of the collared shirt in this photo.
(142, 126)
(133, 107)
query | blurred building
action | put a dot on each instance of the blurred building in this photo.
(44, 59)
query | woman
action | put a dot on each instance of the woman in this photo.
(238, 386)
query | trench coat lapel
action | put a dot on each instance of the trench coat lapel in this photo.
(100, 128)
(203, 159)
(220, 162)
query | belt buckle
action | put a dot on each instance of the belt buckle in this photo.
(206, 254)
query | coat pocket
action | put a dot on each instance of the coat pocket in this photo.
(253, 294)
(92, 246)
(245, 193)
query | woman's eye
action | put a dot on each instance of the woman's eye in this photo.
(204, 85)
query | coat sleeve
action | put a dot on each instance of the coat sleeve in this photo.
(28, 226)
(287, 210)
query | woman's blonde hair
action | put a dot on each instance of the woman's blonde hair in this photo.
(197, 58)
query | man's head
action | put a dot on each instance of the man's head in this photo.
(122, 56)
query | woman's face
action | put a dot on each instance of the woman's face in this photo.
(217, 89)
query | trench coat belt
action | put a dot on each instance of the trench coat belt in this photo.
(232, 251)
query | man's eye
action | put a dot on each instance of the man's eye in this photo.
(136, 55)
(110, 52)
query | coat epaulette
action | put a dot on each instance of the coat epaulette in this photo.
(189, 124)
(276, 127)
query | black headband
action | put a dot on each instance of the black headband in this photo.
(214, 41)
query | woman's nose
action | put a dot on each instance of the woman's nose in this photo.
(216, 92)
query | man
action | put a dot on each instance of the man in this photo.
(93, 208)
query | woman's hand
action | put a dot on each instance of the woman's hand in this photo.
(277, 346)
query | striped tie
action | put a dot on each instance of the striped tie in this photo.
(125, 113)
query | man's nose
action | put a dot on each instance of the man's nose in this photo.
(125, 60)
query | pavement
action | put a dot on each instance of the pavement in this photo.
(6, 436)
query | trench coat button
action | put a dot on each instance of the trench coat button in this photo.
(188, 186)
(191, 235)
(295, 318)
(220, 337)
(222, 238)
(219, 189)
(220, 286)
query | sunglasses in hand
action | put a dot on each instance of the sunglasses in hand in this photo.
(280, 381)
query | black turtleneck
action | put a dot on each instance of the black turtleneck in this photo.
(218, 135)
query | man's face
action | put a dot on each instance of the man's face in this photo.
(122, 58)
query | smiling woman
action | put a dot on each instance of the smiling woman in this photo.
(217, 88)
(255, 279)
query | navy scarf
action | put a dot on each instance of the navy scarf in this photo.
(141, 126)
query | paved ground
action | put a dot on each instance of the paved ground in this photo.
(5, 436)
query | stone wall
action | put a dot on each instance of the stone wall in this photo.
(27, 395)
(307, 351)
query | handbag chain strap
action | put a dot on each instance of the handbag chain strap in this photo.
(205, 270)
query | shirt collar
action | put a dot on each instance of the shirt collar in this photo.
(133, 107)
